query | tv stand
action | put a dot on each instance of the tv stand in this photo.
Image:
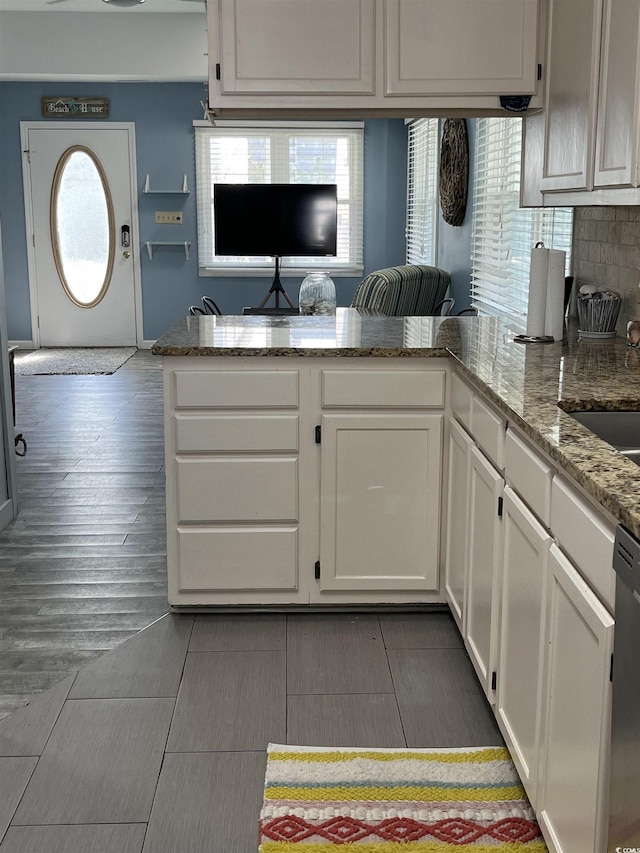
(277, 289)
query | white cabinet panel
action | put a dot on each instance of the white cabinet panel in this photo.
(461, 400)
(571, 93)
(529, 475)
(236, 389)
(383, 389)
(586, 536)
(457, 513)
(617, 125)
(224, 433)
(232, 559)
(488, 430)
(237, 489)
(289, 46)
(380, 502)
(576, 716)
(526, 549)
(461, 46)
(484, 569)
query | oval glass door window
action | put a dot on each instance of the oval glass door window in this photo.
(82, 230)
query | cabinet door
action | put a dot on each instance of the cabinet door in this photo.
(436, 47)
(486, 488)
(455, 566)
(526, 549)
(294, 46)
(617, 126)
(573, 57)
(576, 719)
(380, 502)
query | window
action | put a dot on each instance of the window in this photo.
(503, 234)
(422, 191)
(288, 152)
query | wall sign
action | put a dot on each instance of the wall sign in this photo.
(75, 107)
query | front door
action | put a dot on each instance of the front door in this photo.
(82, 234)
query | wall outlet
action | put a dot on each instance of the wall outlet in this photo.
(168, 217)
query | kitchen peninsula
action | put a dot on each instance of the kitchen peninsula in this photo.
(268, 418)
(366, 461)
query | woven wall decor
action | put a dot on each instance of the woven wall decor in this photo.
(454, 170)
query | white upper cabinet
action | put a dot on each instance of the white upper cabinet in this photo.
(376, 57)
(571, 92)
(584, 149)
(461, 46)
(617, 125)
(293, 46)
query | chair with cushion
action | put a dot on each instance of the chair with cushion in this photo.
(403, 290)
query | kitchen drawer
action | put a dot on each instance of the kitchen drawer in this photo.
(237, 489)
(488, 430)
(461, 399)
(586, 537)
(229, 433)
(529, 475)
(245, 559)
(383, 389)
(209, 389)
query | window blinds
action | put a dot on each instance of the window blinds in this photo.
(304, 152)
(422, 191)
(503, 233)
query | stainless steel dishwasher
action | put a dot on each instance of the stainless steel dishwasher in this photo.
(624, 786)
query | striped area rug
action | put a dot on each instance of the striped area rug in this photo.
(395, 801)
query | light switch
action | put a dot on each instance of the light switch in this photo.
(168, 217)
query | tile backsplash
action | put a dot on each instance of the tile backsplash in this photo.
(606, 252)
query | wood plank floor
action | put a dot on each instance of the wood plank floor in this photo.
(83, 567)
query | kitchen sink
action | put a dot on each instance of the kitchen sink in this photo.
(619, 429)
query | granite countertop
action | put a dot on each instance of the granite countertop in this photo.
(531, 383)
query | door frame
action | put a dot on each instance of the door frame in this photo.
(9, 509)
(25, 127)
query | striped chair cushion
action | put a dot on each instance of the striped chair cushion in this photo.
(403, 290)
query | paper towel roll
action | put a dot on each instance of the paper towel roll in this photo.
(554, 310)
(538, 275)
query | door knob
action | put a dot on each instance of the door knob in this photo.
(126, 254)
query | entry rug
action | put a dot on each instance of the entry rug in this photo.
(320, 800)
(77, 361)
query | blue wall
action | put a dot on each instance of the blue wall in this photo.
(163, 116)
(454, 241)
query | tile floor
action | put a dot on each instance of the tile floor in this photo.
(159, 745)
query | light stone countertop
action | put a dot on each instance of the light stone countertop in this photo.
(526, 382)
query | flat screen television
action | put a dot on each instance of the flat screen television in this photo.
(276, 220)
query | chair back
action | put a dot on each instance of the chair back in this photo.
(210, 306)
(468, 312)
(403, 290)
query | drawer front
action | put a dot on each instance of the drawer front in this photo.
(232, 389)
(461, 399)
(488, 431)
(227, 489)
(227, 559)
(529, 475)
(238, 433)
(380, 389)
(586, 537)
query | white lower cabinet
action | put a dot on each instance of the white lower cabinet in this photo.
(576, 708)
(290, 482)
(526, 551)
(456, 526)
(380, 502)
(484, 566)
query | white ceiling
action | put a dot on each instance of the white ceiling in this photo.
(197, 6)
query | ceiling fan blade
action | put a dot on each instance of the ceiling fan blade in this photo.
(53, 2)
